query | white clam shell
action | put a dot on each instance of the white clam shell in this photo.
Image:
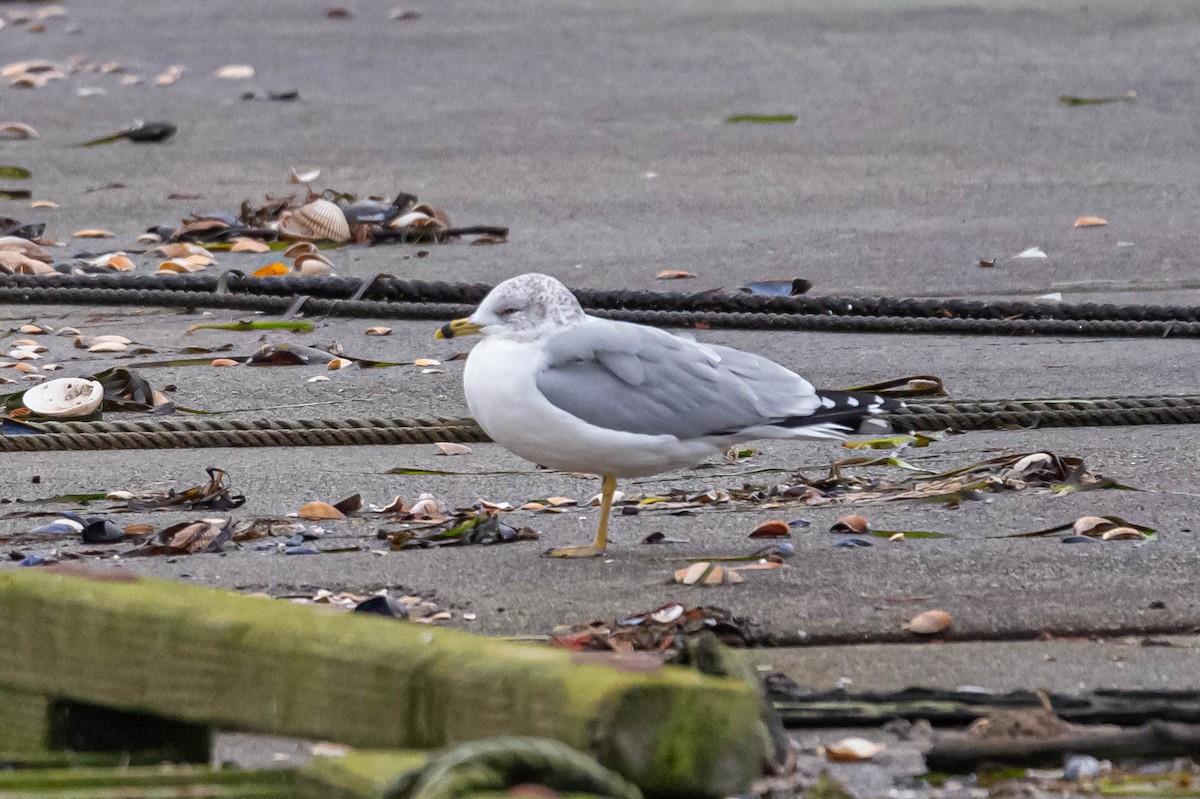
(319, 220)
(66, 396)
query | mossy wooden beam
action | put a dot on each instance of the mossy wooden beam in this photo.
(24, 721)
(218, 658)
(147, 782)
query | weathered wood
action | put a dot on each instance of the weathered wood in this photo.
(360, 774)
(157, 782)
(218, 658)
(24, 721)
(1159, 739)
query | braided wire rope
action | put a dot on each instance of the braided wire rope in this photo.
(388, 297)
(916, 416)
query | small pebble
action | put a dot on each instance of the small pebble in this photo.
(1081, 767)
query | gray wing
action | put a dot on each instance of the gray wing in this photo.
(638, 379)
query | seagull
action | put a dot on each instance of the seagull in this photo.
(578, 393)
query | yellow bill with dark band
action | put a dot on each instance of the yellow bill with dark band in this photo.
(457, 327)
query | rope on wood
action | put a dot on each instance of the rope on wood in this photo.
(916, 416)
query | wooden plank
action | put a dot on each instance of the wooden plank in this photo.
(226, 660)
(148, 782)
(24, 721)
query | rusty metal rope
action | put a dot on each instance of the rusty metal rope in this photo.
(919, 415)
(388, 297)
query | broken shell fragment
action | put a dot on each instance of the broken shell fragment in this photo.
(319, 220)
(320, 510)
(32, 329)
(235, 72)
(17, 130)
(26, 247)
(772, 528)
(93, 233)
(852, 750)
(66, 396)
(706, 573)
(930, 622)
(243, 244)
(108, 346)
(13, 262)
(379, 331)
(223, 362)
(1090, 221)
(112, 337)
(852, 524)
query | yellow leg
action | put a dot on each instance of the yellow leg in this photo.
(607, 489)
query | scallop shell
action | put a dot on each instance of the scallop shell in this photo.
(66, 396)
(13, 262)
(318, 221)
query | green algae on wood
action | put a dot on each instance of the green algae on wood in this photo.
(226, 660)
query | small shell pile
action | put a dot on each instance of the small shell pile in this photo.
(20, 256)
(182, 258)
(319, 220)
(308, 260)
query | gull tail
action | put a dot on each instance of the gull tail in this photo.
(844, 413)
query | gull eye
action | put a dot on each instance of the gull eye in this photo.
(506, 312)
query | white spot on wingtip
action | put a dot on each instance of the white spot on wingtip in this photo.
(826, 402)
(852, 402)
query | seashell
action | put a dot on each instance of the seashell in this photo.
(852, 750)
(243, 244)
(379, 331)
(33, 329)
(318, 379)
(930, 622)
(116, 261)
(66, 396)
(320, 510)
(149, 238)
(93, 233)
(437, 214)
(25, 368)
(52, 367)
(25, 247)
(108, 346)
(19, 263)
(169, 76)
(58, 526)
(426, 362)
(706, 573)
(112, 337)
(177, 250)
(339, 363)
(1090, 221)
(1122, 534)
(224, 362)
(852, 525)
(370, 212)
(235, 72)
(20, 354)
(17, 130)
(313, 265)
(67, 331)
(28, 344)
(1093, 525)
(772, 528)
(320, 220)
(43, 204)
(299, 248)
(177, 266)
(307, 176)
(409, 219)
(30, 65)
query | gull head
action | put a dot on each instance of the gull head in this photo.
(524, 308)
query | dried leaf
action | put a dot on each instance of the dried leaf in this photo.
(765, 119)
(271, 270)
(14, 172)
(1073, 100)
